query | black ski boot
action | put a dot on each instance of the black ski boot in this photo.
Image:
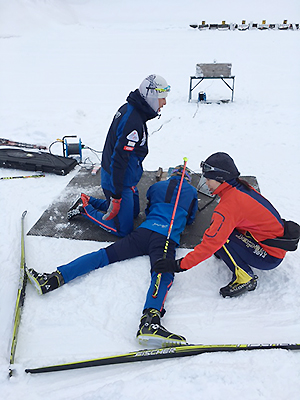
(75, 212)
(77, 206)
(152, 334)
(234, 289)
(45, 283)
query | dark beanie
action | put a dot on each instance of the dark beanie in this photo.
(225, 167)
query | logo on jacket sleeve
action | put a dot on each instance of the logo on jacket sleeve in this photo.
(128, 148)
(134, 136)
(144, 139)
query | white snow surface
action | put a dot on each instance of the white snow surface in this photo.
(66, 67)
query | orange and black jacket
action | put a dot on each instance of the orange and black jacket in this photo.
(243, 209)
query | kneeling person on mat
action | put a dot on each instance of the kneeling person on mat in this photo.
(246, 230)
(172, 200)
(125, 149)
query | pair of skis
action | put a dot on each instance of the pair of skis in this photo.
(159, 354)
(135, 356)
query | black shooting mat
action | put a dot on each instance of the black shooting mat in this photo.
(54, 223)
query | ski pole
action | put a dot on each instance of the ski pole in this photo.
(158, 279)
(7, 142)
(22, 176)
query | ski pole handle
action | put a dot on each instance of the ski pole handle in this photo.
(158, 278)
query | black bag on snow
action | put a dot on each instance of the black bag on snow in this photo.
(289, 241)
(36, 161)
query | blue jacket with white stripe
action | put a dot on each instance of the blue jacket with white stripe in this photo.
(126, 145)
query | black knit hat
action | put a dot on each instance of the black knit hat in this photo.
(220, 167)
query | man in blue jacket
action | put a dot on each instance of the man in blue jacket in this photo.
(125, 148)
(148, 239)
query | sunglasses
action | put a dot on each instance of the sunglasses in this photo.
(161, 90)
(208, 168)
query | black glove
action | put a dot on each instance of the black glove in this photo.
(167, 265)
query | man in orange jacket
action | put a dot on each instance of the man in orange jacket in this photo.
(240, 224)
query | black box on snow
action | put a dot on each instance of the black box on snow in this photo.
(36, 161)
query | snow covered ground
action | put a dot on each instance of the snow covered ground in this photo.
(66, 66)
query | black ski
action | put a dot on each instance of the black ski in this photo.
(7, 142)
(20, 298)
(162, 353)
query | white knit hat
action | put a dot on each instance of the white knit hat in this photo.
(152, 88)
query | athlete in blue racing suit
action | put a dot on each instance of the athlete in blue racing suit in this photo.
(148, 239)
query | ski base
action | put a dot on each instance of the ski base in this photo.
(161, 353)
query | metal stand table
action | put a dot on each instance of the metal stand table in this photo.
(201, 78)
